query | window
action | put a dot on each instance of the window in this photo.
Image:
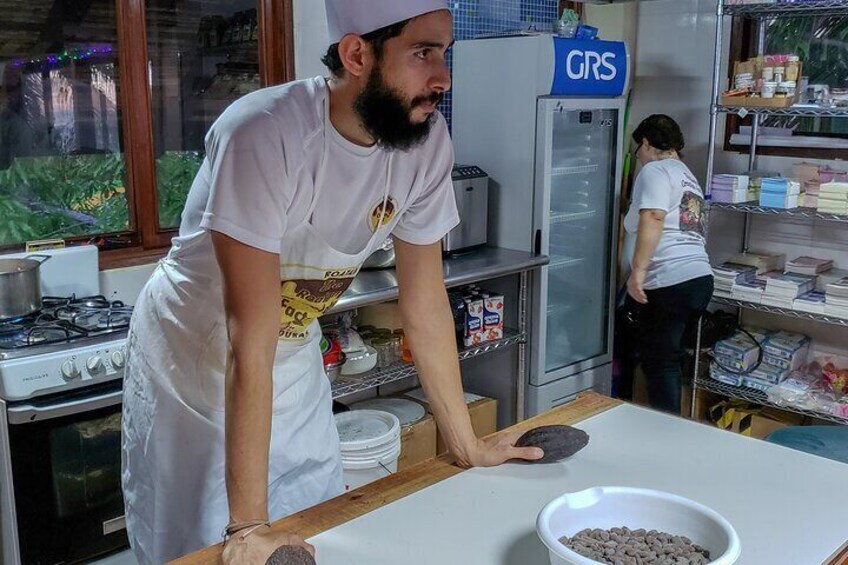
(822, 44)
(104, 106)
(203, 56)
(62, 167)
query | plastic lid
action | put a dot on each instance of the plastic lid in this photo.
(365, 429)
(407, 411)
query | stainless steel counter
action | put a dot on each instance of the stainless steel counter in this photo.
(373, 287)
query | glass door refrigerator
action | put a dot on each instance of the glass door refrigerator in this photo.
(544, 117)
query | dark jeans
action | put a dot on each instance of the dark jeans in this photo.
(656, 339)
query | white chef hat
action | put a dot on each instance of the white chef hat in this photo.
(364, 16)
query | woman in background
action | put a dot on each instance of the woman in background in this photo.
(671, 280)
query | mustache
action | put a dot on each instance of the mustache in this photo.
(433, 98)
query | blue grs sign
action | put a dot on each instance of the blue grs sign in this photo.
(589, 68)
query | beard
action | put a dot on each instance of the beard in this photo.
(386, 115)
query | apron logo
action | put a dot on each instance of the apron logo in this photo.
(304, 300)
(377, 211)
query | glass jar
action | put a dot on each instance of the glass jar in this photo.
(406, 352)
(385, 356)
(397, 346)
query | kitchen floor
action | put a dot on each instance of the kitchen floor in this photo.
(123, 558)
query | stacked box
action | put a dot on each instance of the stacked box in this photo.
(786, 350)
(731, 189)
(737, 353)
(723, 376)
(478, 315)
(764, 377)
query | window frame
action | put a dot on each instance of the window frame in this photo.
(743, 44)
(146, 241)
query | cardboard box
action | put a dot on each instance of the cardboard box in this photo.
(483, 412)
(751, 420)
(417, 442)
(757, 102)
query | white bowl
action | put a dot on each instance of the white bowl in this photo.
(360, 361)
(614, 507)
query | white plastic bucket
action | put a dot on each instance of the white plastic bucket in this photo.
(612, 507)
(370, 445)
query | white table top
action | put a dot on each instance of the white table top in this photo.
(788, 507)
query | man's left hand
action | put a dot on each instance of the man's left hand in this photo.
(499, 449)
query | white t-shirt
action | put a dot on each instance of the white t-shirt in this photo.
(681, 255)
(258, 180)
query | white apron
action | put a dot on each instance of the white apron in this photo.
(173, 413)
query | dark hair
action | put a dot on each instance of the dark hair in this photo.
(661, 132)
(376, 38)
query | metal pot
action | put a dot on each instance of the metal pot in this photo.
(20, 286)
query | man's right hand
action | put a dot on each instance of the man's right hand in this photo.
(256, 548)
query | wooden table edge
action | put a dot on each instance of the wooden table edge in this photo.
(352, 505)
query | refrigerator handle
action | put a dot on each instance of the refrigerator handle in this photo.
(537, 243)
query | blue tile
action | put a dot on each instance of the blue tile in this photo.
(472, 18)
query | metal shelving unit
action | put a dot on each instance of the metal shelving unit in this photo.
(806, 110)
(761, 13)
(759, 397)
(780, 311)
(485, 263)
(806, 8)
(755, 208)
(345, 385)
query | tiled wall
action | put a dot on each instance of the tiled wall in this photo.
(478, 17)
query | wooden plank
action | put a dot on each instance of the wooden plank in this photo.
(276, 41)
(840, 557)
(137, 121)
(370, 497)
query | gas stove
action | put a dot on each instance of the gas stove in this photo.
(69, 343)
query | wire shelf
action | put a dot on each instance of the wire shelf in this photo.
(560, 218)
(755, 208)
(790, 111)
(780, 311)
(345, 385)
(759, 397)
(561, 262)
(805, 8)
(581, 170)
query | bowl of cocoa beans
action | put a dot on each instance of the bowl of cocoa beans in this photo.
(635, 526)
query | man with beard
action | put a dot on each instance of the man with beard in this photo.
(227, 419)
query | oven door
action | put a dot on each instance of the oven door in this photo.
(66, 468)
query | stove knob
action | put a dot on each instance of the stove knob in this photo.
(94, 364)
(70, 370)
(118, 359)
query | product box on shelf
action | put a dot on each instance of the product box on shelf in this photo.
(737, 352)
(754, 71)
(417, 442)
(493, 309)
(474, 329)
(483, 412)
(724, 376)
(478, 315)
(749, 420)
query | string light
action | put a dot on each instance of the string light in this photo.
(78, 54)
